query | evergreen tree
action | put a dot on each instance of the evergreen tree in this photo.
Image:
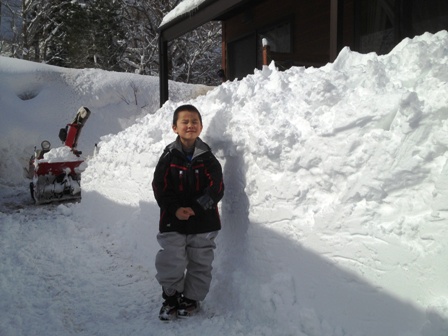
(118, 35)
(67, 31)
(90, 37)
(106, 34)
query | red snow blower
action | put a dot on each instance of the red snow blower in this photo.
(57, 177)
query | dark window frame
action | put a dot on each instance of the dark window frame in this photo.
(289, 20)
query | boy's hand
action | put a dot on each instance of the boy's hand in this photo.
(184, 213)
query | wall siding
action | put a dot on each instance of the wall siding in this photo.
(311, 28)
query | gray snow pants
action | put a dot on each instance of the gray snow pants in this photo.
(184, 263)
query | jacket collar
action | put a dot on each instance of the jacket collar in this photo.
(200, 147)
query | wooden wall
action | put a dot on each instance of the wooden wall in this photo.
(310, 33)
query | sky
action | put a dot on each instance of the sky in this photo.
(334, 216)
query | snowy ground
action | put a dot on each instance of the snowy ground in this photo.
(335, 218)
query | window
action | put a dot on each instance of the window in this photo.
(279, 37)
(377, 18)
(242, 57)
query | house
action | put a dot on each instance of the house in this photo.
(300, 32)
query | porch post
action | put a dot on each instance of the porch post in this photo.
(336, 27)
(265, 51)
(163, 70)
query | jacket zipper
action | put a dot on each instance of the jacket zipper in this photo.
(196, 171)
(181, 180)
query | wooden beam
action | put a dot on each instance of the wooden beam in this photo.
(163, 70)
(223, 49)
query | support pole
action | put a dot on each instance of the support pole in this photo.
(336, 27)
(163, 75)
(266, 50)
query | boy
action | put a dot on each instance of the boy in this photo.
(187, 185)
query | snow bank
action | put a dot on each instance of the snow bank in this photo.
(37, 100)
(346, 162)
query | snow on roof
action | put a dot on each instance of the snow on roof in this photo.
(184, 7)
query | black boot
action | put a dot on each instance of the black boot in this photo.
(187, 307)
(169, 307)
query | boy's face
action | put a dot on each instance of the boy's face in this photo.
(188, 127)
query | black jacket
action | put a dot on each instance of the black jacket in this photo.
(179, 182)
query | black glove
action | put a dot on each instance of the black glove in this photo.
(205, 201)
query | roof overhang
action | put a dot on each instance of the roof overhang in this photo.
(207, 11)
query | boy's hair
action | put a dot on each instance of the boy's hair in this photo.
(189, 108)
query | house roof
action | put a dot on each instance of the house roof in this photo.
(187, 16)
(190, 14)
(186, 6)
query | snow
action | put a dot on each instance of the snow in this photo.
(186, 6)
(59, 154)
(335, 217)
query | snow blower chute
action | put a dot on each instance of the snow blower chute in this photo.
(56, 176)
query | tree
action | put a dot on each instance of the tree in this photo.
(194, 57)
(56, 20)
(106, 34)
(66, 34)
(10, 27)
(117, 35)
(141, 19)
(89, 35)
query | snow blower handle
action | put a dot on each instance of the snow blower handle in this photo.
(70, 134)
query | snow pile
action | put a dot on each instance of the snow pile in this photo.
(36, 100)
(60, 154)
(335, 215)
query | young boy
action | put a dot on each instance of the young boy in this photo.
(187, 185)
